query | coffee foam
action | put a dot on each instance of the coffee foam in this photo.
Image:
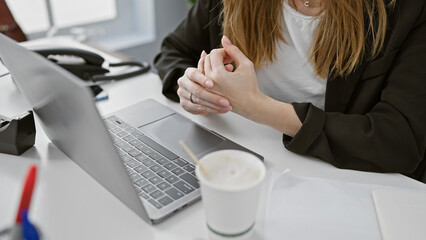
(232, 170)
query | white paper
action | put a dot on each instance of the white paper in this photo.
(312, 208)
(401, 214)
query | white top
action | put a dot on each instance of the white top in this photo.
(291, 77)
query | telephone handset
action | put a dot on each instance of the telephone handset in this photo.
(88, 65)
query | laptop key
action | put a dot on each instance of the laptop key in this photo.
(178, 171)
(148, 174)
(189, 168)
(172, 179)
(129, 129)
(141, 146)
(156, 194)
(129, 170)
(134, 153)
(134, 176)
(116, 139)
(122, 153)
(162, 150)
(141, 182)
(184, 187)
(155, 180)
(148, 151)
(144, 195)
(137, 164)
(132, 163)
(109, 125)
(126, 158)
(115, 130)
(148, 163)
(193, 181)
(129, 138)
(121, 144)
(180, 162)
(164, 173)
(140, 169)
(137, 134)
(127, 148)
(155, 204)
(135, 142)
(148, 188)
(142, 157)
(163, 186)
(174, 193)
(154, 155)
(162, 161)
(170, 166)
(156, 168)
(122, 134)
(165, 200)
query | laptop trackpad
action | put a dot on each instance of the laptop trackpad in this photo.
(168, 131)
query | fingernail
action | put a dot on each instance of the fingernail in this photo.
(209, 83)
(202, 53)
(224, 102)
(226, 40)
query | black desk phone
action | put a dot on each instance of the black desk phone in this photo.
(88, 65)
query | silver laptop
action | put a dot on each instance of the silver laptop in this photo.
(134, 153)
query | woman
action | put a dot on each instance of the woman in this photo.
(343, 80)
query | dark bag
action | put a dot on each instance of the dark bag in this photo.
(8, 25)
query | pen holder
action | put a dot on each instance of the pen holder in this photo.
(18, 134)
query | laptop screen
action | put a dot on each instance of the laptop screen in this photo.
(70, 118)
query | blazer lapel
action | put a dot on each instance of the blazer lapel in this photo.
(339, 90)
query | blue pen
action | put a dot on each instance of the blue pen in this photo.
(29, 232)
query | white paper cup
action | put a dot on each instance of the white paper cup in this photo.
(231, 206)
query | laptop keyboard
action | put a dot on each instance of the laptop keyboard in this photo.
(159, 176)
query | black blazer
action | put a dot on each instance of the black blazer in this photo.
(374, 119)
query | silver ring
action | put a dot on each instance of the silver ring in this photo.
(190, 98)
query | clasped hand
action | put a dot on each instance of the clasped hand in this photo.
(216, 87)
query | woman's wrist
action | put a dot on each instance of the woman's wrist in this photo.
(278, 115)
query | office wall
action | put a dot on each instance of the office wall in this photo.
(168, 15)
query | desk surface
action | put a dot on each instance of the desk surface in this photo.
(69, 204)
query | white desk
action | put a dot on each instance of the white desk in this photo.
(69, 204)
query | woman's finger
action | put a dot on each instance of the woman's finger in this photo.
(229, 67)
(207, 66)
(200, 65)
(197, 76)
(234, 52)
(198, 109)
(217, 57)
(183, 93)
(199, 91)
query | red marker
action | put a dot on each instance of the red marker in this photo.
(27, 192)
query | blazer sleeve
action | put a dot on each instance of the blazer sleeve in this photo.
(391, 136)
(182, 48)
